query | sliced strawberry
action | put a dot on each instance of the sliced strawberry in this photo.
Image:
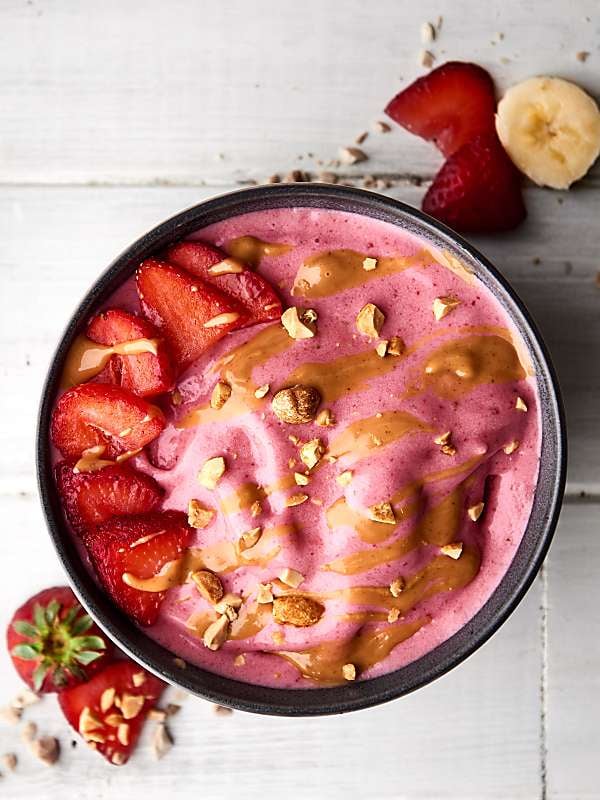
(54, 643)
(100, 414)
(91, 498)
(449, 106)
(144, 374)
(250, 288)
(478, 189)
(191, 314)
(140, 547)
(109, 711)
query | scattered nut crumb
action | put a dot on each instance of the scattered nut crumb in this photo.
(291, 577)
(511, 447)
(46, 749)
(264, 593)
(222, 711)
(220, 394)
(425, 59)
(296, 405)
(157, 714)
(582, 56)
(29, 732)
(198, 515)
(11, 714)
(444, 305)
(520, 404)
(369, 264)
(475, 511)
(297, 610)
(327, 177)
(349, 672)
(208, 585)
(298, 326)
(382, 512)
(361, 137)
(25, 698)
(9, 761)
(262, 391)
(312, 452)
(212, 471)
(369, 320)
(344, 478)
(216, 634)
(381, 127)
(452, 550)
(325, 418)
(427, 32)
(397, 586)
(352, 155)
(162, 741)
(274, 179)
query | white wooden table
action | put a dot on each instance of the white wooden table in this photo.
(115, 115)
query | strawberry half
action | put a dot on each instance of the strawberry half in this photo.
(91, 498)
(144, 374)
(109, 711)
(54, 643)
(449, 106)
(478, 189)
(138, 547)
(191, 314)
(100, 414)
(249, 288)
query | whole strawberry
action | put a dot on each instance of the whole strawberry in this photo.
(53, 642)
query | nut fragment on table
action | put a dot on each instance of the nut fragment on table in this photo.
(369, 320)
(297, 404)
(46, 749)
(162, 741)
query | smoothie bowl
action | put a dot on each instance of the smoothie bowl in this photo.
(301, 450)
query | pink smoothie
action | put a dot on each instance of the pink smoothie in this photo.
(463, 375)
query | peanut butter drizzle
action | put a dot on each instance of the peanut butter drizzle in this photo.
(170, 575)
(236, 368)
(323, 663)
(360, 438)
(334, 271)
(91, 459)
(86, 358)
(339, 514)
(458, 366)
(251, 621)
(251, 250)
(242, 498)
(199, 621)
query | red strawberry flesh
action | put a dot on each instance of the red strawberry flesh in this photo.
(449, 106)
(477, 190)
(248, 287)
(95, 414)
(109, 711)
(91, 498)
(54, 643)
(138, 547)
(190, 313)
(144, 374)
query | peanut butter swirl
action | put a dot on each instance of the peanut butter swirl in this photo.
(86, 358)
(252, 250)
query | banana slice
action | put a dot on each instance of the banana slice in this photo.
(551, 130)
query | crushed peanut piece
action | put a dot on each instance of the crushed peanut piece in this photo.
(452, 550)
(208, 585)
(369, 320)
(297, 610)
(520, 404)
(212, 471)
(369, 264)
(448, 449)
(361, 137)
(11, 714)
(349, 672)
(325, 418)
(381, 348)
(582, 56)
(249, 538)
(397, 586)
(444, 305)
(393, 615)
(298, 326)
(291, 577)
(312, 452)
(344, 478)
(264, 593)
(301, 480)
(381, 127)
(297, 404)
(229, 602)
(256, 508)
(162, 741)
(352, 155)
(396, 346)
(216, 634)
(262, 391)
(220, 394)
(222, 711)
(239, 660)
(9, 761)
(29, 732)
(427, 32)
(511, 447)
(296, 500)
(426, 59)
(198, 515)
(157, 714)
(475, 511)
(382, 512)
(46, 749)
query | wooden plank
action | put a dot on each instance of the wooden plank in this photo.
(169, 88)
(451, 739)
(573, 659)
(55, 241)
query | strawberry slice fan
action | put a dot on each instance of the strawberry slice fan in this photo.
(478, 189)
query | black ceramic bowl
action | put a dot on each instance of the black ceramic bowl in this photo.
(528, 559)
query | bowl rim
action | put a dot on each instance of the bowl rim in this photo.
(446, 655)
